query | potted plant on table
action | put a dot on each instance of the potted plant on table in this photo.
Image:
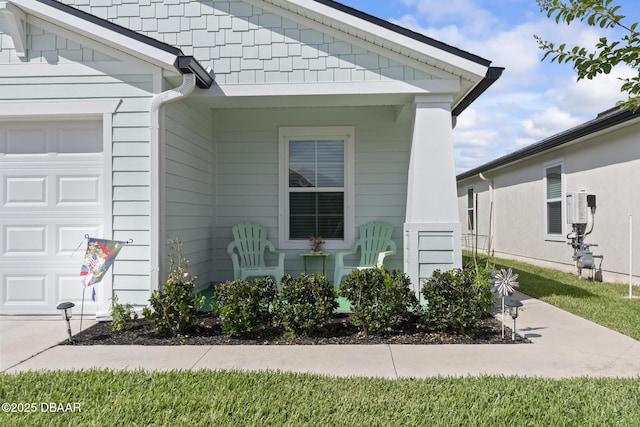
(317, 243)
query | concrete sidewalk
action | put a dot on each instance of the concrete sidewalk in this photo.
(563, 345)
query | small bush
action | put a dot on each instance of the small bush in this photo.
(482, 287)
(455, 301)
(309, 303)
(121, 315)
(379, 300)
(243, 307)
(173, 307)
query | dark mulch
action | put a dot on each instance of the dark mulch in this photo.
(207, 331)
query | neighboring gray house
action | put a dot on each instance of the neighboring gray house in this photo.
(515, 206)
(170, 118)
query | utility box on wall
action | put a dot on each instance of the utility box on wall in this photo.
(577, 207)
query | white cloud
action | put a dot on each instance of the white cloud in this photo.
(549, 122)
(533, 99)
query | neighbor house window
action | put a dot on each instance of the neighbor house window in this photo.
(316, 185)
(470, 209)
(553, 200)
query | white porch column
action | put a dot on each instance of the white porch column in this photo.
(432, 225)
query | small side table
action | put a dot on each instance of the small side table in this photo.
(324, 256)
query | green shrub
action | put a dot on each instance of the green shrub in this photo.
(309, 303)
(121, 315)
(173, 306)
(456, 301)
(379, 300)
(243, 307)
(482, 287)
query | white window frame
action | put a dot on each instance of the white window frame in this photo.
(286, 134)
(548, 236)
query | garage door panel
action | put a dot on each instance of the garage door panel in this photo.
(23, 191)
(26, 140)
(25, 240)
(79, 190)
(70, 238)
(79, 140)
(29, 289)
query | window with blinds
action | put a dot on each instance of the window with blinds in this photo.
(553, 184)
(316, 189)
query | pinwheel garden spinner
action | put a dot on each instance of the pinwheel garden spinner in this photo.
(504, 283)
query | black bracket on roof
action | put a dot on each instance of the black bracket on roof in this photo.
(189, 65)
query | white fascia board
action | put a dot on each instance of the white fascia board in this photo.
(98, 33)
(372, 34)
(418, 87)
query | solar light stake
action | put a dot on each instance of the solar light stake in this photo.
(513, 311)
(65, 308)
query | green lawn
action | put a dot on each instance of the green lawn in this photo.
(602, 303)
(210, 398)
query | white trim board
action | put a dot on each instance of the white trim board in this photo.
(57, 109)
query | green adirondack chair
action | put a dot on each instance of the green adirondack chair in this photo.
(247, 252)
(374, 243)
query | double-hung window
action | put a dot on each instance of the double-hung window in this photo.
(553, 200)
(316, 186)
(470, 210)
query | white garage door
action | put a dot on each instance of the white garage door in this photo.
(51, 195)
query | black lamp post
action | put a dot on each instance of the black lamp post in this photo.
(513, 311)
(65, 308)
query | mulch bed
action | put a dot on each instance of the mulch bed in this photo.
(207, 331)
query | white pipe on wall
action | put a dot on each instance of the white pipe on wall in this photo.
(157, 169)
(491, 219)
(630, 256)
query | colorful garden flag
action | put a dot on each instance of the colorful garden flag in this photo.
(99, 257)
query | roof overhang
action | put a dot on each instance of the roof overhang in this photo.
(598, 125)
(493, 74)
(115, 36)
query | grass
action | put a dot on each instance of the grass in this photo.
(602, 303)
(267, 398)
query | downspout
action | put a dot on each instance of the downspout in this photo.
(490, 237)
(156, 172)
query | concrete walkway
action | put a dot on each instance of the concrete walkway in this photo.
(563, 345)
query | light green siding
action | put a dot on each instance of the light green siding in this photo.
(247, 171)
(244, 44)
(189, 186)
(45, 47)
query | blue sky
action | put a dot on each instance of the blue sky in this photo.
(533, 99)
